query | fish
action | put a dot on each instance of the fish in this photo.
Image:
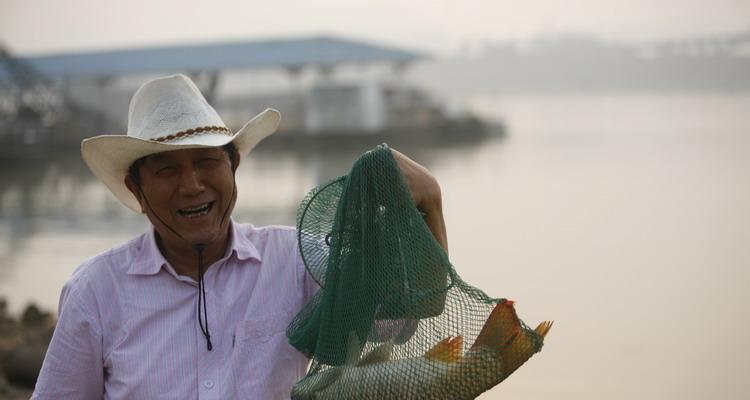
(444, 372)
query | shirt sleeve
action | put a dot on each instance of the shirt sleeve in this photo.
(73, 367)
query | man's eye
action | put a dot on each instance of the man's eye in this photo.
(165, 170)
(208, 162)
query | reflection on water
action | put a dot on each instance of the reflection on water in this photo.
(624, 218)
(54, 213)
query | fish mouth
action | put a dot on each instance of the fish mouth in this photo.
(196, 211)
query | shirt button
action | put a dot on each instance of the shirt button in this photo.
(208, 384)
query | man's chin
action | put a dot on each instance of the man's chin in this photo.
(198, 232)
(208, 236)
(203, 240)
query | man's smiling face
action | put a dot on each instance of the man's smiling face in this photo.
(190, 191)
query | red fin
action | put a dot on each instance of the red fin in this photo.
(448, 350)
(501, 327)
(523, 346)
(543, 328)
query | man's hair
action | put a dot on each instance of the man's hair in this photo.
(135, 168)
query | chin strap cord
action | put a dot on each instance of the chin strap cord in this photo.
(202, 314)
(202, 298)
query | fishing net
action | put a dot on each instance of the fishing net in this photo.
(393, 320)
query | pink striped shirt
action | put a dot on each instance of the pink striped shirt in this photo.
(128, 325)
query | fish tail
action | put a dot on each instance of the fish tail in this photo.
(500, 329)
(543, 328)
(523, 346)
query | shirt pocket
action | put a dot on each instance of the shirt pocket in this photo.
(262, 329)
(264, 363)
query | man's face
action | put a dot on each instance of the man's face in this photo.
(191, 191)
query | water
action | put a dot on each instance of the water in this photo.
(623, 217)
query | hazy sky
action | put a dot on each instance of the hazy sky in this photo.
(43, 26)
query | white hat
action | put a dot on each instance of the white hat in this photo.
(166, 114)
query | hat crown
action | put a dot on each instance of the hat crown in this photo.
(167, 114)
(169, 105)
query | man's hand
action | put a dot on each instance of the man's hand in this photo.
(426, 194)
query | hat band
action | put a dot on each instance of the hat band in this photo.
(193, 131)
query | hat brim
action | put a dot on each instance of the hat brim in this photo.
(110, 156)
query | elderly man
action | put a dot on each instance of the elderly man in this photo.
(197, 307)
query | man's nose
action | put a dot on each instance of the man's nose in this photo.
(190, 182)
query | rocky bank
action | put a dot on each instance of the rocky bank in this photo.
(23, 343)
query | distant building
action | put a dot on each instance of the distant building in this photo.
(321, 85)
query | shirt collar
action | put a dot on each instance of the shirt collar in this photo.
(240, 244)
(149, 260)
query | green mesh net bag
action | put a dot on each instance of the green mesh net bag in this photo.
(393, 320)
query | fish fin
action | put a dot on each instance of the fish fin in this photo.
(380, 354)
(523, 346)
(517, 352)
(544, 328)
(449, 350)
(500, 329)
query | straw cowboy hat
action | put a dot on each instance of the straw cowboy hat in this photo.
(166, 114)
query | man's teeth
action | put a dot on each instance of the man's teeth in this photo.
(198, 211)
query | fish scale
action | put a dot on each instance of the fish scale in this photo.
(390, 380)
(492, 358)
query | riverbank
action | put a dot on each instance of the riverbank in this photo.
(23, 344)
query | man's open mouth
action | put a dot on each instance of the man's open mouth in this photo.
(197, 211)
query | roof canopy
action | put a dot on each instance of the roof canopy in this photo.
(287, 53)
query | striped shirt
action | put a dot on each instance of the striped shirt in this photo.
(128, 325)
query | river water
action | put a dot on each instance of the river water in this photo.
(624, 217)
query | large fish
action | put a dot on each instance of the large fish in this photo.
(442, 373)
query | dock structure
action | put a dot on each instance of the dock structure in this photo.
(93, 80)
(324, 53)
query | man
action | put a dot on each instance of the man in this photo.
(198, 306)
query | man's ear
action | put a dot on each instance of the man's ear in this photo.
(136, 190)
(235, 160)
